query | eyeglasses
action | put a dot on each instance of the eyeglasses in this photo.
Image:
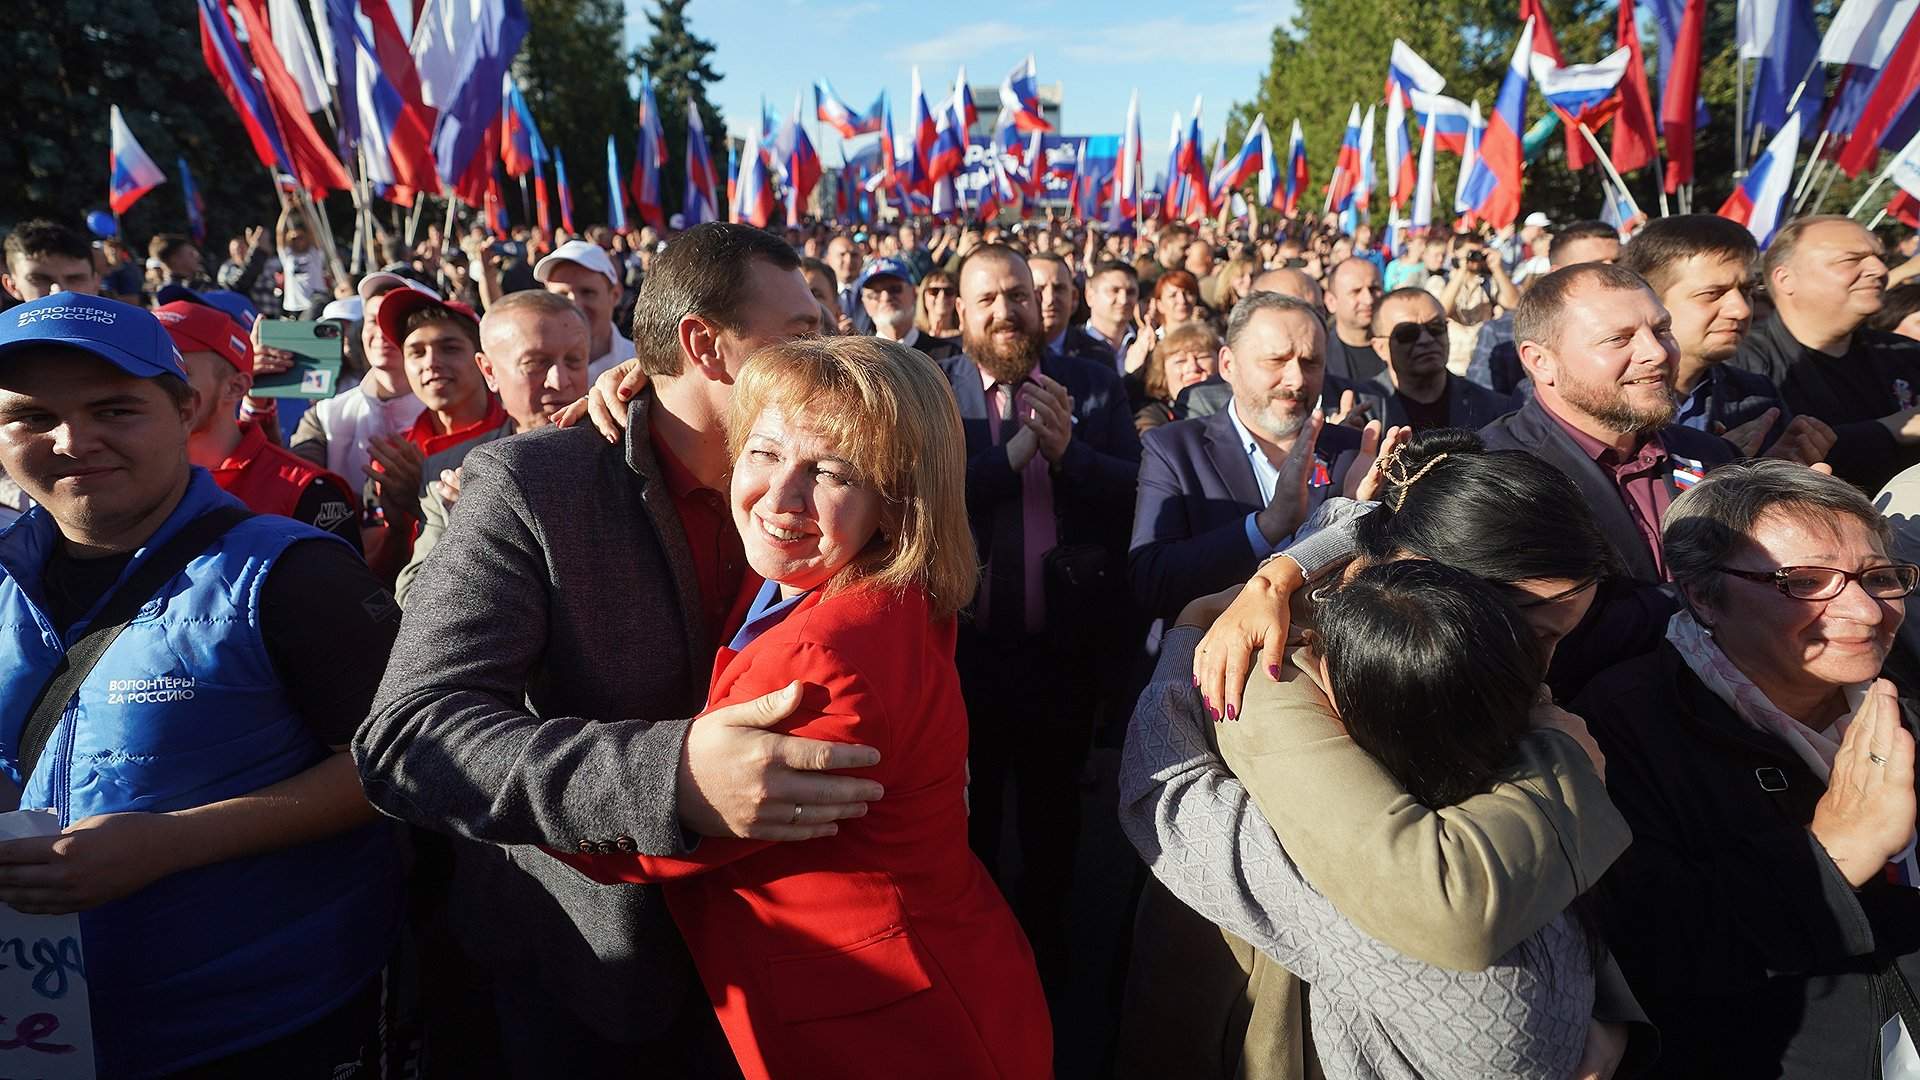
(1409, 332)
(1888, 582)
(936, 290)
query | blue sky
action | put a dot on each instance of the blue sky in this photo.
(1100, 51)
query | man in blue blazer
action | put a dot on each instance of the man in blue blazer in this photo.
(1220, 493)
(1052, 463)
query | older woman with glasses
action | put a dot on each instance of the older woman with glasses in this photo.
(1765, 913)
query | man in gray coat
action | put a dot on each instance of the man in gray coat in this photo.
(568, 617)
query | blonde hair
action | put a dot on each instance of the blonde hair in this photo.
(889, 410)
(1191, 336)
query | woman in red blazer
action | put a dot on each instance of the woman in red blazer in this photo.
(884, 950)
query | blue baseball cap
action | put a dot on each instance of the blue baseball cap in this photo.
(885, 266)
(125, 336)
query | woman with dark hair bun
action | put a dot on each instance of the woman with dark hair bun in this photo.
(1444, 862)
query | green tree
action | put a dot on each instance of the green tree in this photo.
(575, 76)
(677, 60)
(143, 55)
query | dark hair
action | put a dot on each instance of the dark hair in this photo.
(1657, 250)
(702, 272)
(42, 237)
(177, 389)
(1576, 231)
(1537, 318)
(1113, 266)
(1504, 516)
(1901, 301)
(163, 245)
(1433, 673)
(430, 314)
(1405, 292)
(817, 266)
(1046, 257)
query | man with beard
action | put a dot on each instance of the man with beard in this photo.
(270, 480)
(533, 356)
(1599, 348)
(1219, 494)
(1052, 460)
(1409, 335)
(1827, 278)
(885, 289)
(1496, 361)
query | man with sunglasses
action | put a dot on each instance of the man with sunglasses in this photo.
(1410, 337)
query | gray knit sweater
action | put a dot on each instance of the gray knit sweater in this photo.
(1377, 1013)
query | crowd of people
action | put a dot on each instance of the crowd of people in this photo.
(721, 653)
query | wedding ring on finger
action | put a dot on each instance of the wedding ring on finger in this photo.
(795, 820)
(1876, 758)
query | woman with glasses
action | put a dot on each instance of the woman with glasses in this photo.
(939, 305)
(1765, 914)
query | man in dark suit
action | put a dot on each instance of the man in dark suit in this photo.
(1416, 389)
(1598, 346)
(1496, 358)
(1219, 494)
(1052, 461)
(570, 613)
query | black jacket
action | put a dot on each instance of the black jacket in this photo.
(1878, 376)
(1745, 944)
(1469, 405)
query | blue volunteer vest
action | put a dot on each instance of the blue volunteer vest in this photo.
(184, 710)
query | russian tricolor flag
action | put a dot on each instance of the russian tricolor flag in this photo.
(616, 196)
(649, 158)
(1584, 93)
(838, 115)
(1346, 168)
(1297, 178)
(566, 191)
(1759, 200)
(703, 187)
(1451, 119)
(1363, 188)
(392, 136)
(949, 153)
(925, 132)
(130, 172)
(755, 186)
(1020, 97)
(1494, 187)
(1253, 154)
(1128, 187)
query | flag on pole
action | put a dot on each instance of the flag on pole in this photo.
(703, 187)
(1677, 102)
(1782, 39)
(440, 29)
(1547, 46)
(1584, 93)
(829, 109)
(920, 147)
(1129, 191)
(516, 129)
(649, 159)
(800, 162)
(1020, 96)
(1346, 167)
(1493, 189)
(616, 195)
(295, 45)
(1406, 73)
(566, 191)
(130, 172)
(1633, 133)
(1423, 186)
(196, 206)
(1476, 130)
(1364, 177)
(1449, 116)
(1297, 178)
(1170, 187)
(1409, 72)
(949, 153)
(1890, 110)
(334, 30)
(393, 137)
(311, 159)
(754, 186)
(1760, 200)
(1245, 163)
(467, 121)
(1191, 161)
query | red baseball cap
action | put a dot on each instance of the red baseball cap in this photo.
(398, 304)
(199, 328)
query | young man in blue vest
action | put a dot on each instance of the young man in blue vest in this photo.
(237, 898)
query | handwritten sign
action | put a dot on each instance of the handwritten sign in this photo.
(46, 1027)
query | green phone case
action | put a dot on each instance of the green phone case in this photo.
(316, 370)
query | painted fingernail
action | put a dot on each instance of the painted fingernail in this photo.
(1231, 715)
(1274, 671)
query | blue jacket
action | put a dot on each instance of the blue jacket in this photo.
(186, 709)
(1196, 489)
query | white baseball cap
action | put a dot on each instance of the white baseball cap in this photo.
(351, 309)
(385, 279)
(579, 253)
(1537, 220)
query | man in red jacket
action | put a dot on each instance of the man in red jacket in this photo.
(219, 361)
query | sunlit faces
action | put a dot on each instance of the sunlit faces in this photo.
(440, 365)
(999, 319)
(843, 255)
(1614, 357)
(1412, 338)
(777, 307)
(1053, 287)
(536, 361)
(100, 449)
(1276, 368)
(1835, 267)
(1804, 644)
(889, 302)
(1352, 291)
(802, 510)
(1186, 367)
(1708, 301)
(1587, 249)
(590, 290)
(1111, 298)
(381, 352)
(216, 383)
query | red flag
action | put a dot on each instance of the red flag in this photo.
(313, 163)
(1633, 131)
(390, 45)
(1545, 44)
(1903, 207)
(1683, 90)
(1899, 78)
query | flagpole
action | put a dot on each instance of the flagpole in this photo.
(1607, 163)
(1871, 188)
(1826, 189)
(1806, 174)
(1739, 114)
